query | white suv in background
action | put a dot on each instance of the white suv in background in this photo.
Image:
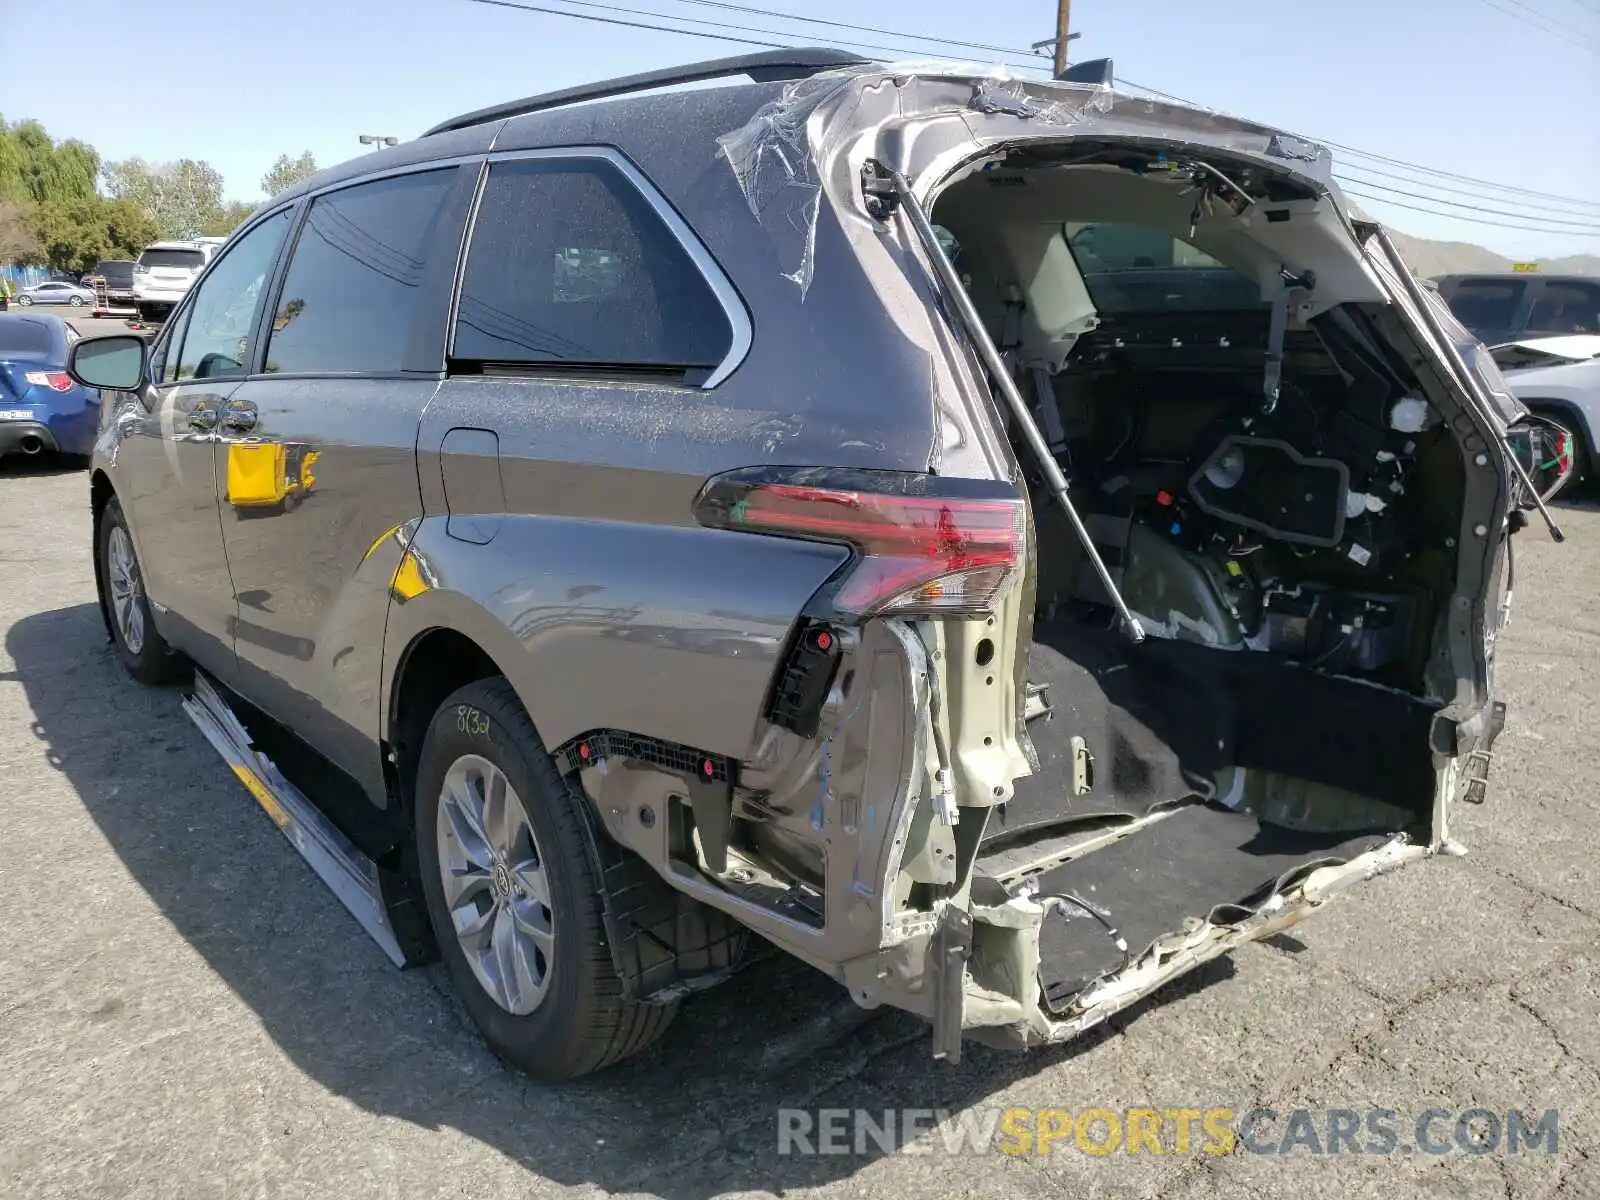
(164, 272)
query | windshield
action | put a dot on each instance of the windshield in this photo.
(189, 259)
(1140, 269)
(22, 335)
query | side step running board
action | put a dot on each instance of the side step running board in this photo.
(351, 875)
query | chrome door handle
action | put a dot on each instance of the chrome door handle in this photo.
(240, 418)
(203, 420)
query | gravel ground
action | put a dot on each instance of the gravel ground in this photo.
(185, 1010)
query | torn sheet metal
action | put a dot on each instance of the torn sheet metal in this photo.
(778, 155)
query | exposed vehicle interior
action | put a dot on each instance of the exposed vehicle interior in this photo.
(1275, 501)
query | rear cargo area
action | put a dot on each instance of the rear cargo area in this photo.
(1273, 497)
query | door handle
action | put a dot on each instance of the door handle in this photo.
(240, 418)
(202, 420)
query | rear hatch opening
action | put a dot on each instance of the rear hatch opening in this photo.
(1266, 478)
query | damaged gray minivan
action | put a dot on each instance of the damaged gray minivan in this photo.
(1002, 542)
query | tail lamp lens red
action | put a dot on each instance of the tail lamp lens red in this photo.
(915, 554)
(56, 381)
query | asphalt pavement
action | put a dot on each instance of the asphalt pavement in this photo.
(186, 1011)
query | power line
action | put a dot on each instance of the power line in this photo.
(1580, 226)
(557, 12)
(741, 39)
(1396, 162)
(909, 51)
(1478, 194)
(783, 16)
(1458, 217)
(1545, 24)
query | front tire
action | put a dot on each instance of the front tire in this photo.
(143, 651)
(511, 894)
(25, 301)
(76, 302)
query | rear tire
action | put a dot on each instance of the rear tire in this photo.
(579, 1021)
(143, 651)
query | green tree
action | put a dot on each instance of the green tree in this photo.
(33, 167)
(182, 197)
(19, 241)
(228, 218)
(75, 234)
(129, 229)
(13, 178)
(287, 172)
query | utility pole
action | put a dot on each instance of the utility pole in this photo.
(1063, 21)
(1057, 46)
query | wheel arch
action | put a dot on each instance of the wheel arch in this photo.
(662, 942)
(432, 664)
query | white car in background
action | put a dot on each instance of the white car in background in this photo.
(163, 274)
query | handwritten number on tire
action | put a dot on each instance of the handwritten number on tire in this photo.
(469, 720)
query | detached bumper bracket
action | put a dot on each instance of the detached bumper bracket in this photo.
(948, 950)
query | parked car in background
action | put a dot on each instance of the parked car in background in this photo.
(1559, 377)
(164, 272)
(42, 410)
(600, 551)
(1502, 306)
(118, 274)
(56, 291)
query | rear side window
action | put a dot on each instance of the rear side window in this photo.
(1487, 303)
(191, 260)
(354, 281)
(1566, 306)
(569, 264)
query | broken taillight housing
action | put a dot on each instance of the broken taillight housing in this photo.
(923, 545)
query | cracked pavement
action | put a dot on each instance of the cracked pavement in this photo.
(185, 1010)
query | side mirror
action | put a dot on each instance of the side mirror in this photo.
(117, 362)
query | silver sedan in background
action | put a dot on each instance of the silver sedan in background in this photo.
(55, 291)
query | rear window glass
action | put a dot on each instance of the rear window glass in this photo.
(570, 264)
(113, 270)
(172, 258)
(20, 335)
(1140, 269)
(1487, 303)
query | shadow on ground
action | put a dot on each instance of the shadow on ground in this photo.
(694, 1116)
(31, 466)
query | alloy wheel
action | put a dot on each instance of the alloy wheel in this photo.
(127, 590)
(495, 884)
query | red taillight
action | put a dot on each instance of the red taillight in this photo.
(56, 381)
(936, 555)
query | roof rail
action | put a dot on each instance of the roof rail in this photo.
(766, 67)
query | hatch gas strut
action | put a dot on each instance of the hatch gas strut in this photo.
(1468, 380)
(985, 346)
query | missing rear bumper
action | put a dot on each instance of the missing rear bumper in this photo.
(1006, 1000)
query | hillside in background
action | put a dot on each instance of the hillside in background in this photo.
(1428, 258)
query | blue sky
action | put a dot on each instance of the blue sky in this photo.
(1465, 86)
